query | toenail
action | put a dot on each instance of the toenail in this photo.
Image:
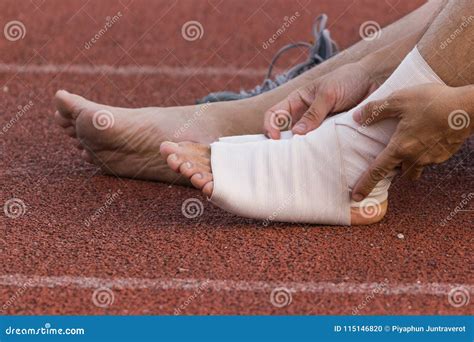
(189, 165)
(199, 175)
(174, 157)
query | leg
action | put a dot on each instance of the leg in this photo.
(414, 23)
(269, 162)
(451, 58)
(127, 149)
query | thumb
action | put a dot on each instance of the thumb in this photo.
(289, 109)
(374, 111)
(316, 113)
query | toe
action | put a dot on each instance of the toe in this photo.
(66, 103)
(191, 167)
(167, 148)
(174, 162)
(70, 131)
(200, 179)
(207, 189)
(61, 120)
(187, 169)
(86, 156)
(63, 103)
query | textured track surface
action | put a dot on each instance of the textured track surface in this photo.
(141, 247)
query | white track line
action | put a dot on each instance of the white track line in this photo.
(84, 69)
(230, 285)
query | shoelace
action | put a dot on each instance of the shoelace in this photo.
(323, 48)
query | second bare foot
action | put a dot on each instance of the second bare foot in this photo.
(125, 142)
(193, 161)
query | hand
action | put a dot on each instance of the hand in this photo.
(308, 106)
(435, 120)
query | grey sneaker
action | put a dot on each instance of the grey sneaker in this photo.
(323, 48)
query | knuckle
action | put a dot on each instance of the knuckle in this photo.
(395, 149)
(377, 173)
(408, 149)
(328, 95)
(369, 111)
(396, 98)
(304, 95)
(311, 114)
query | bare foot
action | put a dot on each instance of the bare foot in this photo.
(125, 142)
(193, 161)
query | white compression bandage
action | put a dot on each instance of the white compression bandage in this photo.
(309, 178)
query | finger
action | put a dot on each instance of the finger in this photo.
(411, 170)
(268, 128)
(276, 121)
(374, 111)
(294, 105)
(316, 113)
(385, 162)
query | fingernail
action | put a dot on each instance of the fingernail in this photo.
(174, 157)
(189, 165)
(199, 175)
(300, 128)
(357, 115)
(357, 197)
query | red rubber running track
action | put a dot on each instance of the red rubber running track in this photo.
(154, 260)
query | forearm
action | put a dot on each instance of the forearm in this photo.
(381, 63)
(412, 26)
(415, 22)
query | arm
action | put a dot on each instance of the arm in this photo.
(435, 120)
(304, 89)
